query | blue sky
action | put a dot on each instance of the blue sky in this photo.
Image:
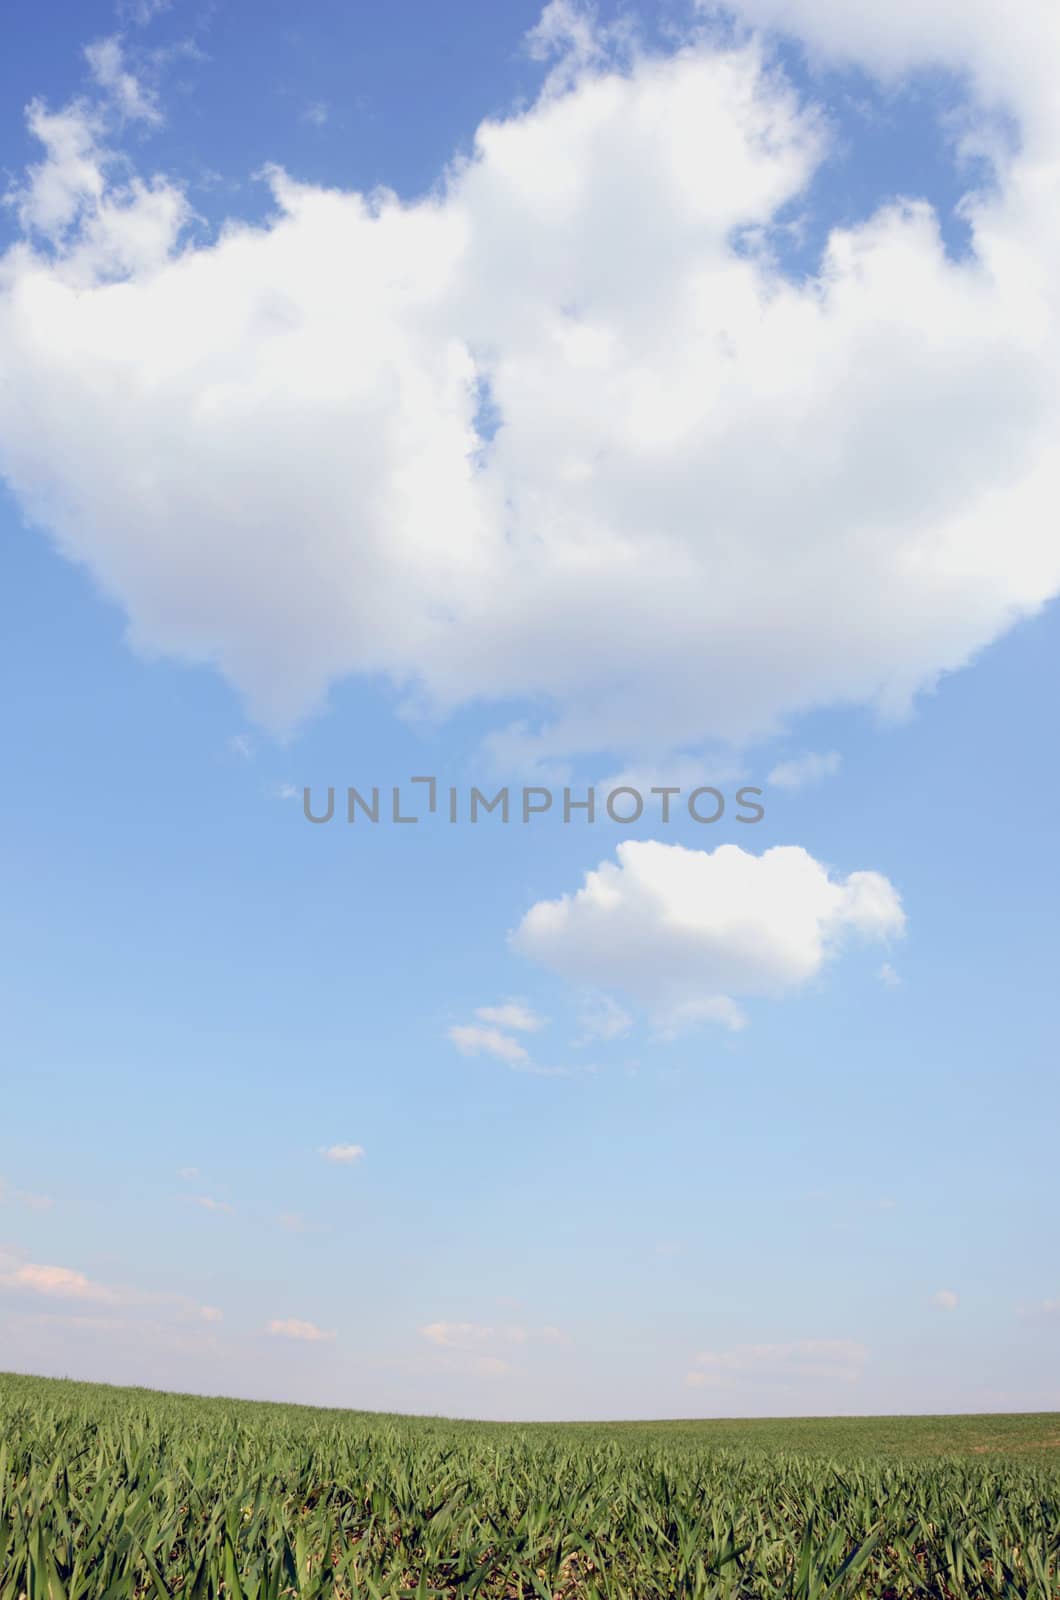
(424, 1117)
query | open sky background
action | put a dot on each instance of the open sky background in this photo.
(677, 404)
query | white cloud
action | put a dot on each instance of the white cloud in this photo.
(316, 113)
(570, 36)
(616, 554)
(131, 99)
(888, 976)
(683, 773)
(779, 1365)
(187, 1174)
(945, 1299)
(69, 180)
(62, 1282)
(472, 1040)
(487, 1036)
(804, 770)
(67, 1283)
(208, 1203)
(684, 932)
(343, 1155)
(1012, 65)
(512, 1014)
(293, 1328)
(241, 746)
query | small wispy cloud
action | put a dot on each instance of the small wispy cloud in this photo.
(342, 1155)
(317, 112)
(486, 1348)
(130, 98)
(240, 745)
(141, 12)
(469, 1335)
(471, 1039)
(62, 1282)
(602, 1018)
(512, 1014)
(455, 1335)
(208, 1203)
(805, 770)
(945, 1299)
(54, 1282)
(888, 977)
(293, 1222)
(294, 1328)
(187, 1174)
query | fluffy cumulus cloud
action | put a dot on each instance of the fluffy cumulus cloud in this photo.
(686, 933)
(1011, 61)
(706, 495)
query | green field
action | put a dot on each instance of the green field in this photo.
(127, 1492)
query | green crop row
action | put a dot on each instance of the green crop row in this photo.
(108, 1493)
